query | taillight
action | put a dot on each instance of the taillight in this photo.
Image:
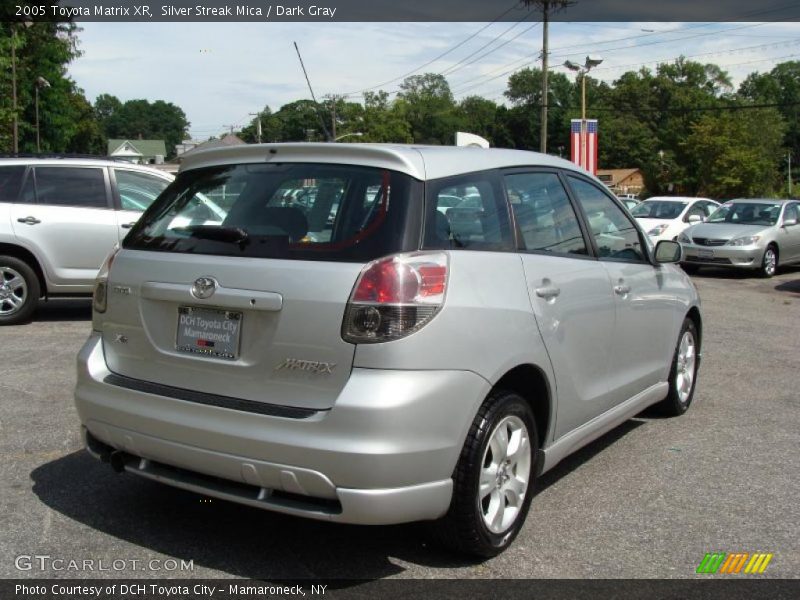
(394, 297)
(100, 295)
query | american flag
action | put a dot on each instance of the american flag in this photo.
(585, 154)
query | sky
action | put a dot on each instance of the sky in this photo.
(218, 73)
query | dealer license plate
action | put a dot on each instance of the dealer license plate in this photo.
(209, 332)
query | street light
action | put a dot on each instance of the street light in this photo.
(582, 70)
(41, 82)
(590, 63)
(354, 134)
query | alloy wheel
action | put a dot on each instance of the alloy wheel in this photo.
(505, 474)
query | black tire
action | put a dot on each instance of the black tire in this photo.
(677, 401)
(690, 269)
(769, 268)
(10, 269)
(463, 528)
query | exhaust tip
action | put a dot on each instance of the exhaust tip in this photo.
(117, 461)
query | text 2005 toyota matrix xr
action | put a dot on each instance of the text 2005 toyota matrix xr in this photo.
(381, 334)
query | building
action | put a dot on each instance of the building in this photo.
(226, 140)
(622, 181)
(141, 152)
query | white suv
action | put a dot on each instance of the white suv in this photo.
(59, 217)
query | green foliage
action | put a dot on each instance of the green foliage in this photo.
(134, 119)
(736, 153)
(43, 50)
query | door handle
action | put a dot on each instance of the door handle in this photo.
(128, 225)
(29, 221)
(622, 290)
(548, 292)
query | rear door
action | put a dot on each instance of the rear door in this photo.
(570, 294)
(642, 341)
(232, 286)
(65, 217)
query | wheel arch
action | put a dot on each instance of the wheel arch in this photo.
(694, 316)
(28, 257)
(530, 382)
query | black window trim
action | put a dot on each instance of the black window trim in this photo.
(649, 259)
(591, 251)
(106, 183)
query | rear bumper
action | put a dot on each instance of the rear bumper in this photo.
(383, 454)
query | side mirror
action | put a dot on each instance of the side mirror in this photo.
(668, 251)
(789, 222)
(694, 219)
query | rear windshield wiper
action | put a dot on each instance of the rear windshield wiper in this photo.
(232, 235)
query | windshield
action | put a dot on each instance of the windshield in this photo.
(746, 213)
(659, 209)
(302, 211)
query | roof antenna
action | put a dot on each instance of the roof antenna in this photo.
(313, 97)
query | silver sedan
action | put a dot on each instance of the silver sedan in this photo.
(756, 234)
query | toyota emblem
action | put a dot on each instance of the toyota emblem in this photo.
(204, 287)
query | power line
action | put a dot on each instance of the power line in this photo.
(463, 62)
(440, 56)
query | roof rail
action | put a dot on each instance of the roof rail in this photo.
(57, 155)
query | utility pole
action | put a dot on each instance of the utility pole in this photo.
(231, 127)
(258, 125)
(547, 7)
(15, 127)
(333, 99)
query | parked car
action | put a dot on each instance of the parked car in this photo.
(664, 217)
(395, 365)
(59, 218)
(630, 203)
(750, 234)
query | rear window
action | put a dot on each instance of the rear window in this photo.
(295, 211)
(655, 209)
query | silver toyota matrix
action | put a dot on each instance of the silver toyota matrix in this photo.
(381, 334)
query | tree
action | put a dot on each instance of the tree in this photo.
(383, 121)
(524, 91)
(141, 118)
(737, 153)
(44, 50)
(426, 102)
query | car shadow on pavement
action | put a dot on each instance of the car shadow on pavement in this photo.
(793, 287)
(71, 309)
(239, 540)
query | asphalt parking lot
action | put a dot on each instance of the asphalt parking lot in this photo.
(647, 500)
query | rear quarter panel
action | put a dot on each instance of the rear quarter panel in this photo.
(486, 325)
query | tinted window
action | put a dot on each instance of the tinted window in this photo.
(697, 209)
(543, 213)
(137, 191)
(70, 186)
(467, 213)
(614, 234)
(659, 209)
(10, 181)
(303, 211)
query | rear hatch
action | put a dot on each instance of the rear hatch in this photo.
(236, 280)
